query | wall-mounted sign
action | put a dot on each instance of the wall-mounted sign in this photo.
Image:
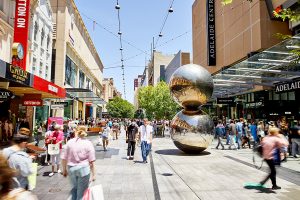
(52, 88)
(65, 104)
(34, 102)
(21, 27)
(254, 104)
(287, 86)
(57, 107)
(5, 94)
(17, 74)
(228, 100)
(211, 32)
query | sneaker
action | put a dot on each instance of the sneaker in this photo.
(51, 174)
(276, 187)
(128, 157)
(295, 156)
(59, 171)
(131, 158)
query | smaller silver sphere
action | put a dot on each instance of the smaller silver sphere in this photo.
(192, 132)
(191, 86)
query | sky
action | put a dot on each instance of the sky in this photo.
(141, 20)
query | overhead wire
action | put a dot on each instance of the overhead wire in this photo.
(117, 7)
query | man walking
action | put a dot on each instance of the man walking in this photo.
(232, 134)
(220, 132)
(131, 137)
(146, 132)
(239, 129)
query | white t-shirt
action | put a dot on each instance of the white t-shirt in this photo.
(106, 132)
(146, 132)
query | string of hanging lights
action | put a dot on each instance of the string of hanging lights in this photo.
(170, 10)
(118, 7)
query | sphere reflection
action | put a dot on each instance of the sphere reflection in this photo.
(192, 132)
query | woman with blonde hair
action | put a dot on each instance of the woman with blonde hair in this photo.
(78, 162)
(261, 130)
(7, 175)
(270, 144)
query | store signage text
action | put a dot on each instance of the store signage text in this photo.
(5, 94)
(65, 104)
(52, 88)
(287, 86)
(254, 104)
(211, 32)
(37, 102)
(21, 27)
(228, 100)
(17, 74)
(57, 107)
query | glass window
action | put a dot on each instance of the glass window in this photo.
(42, 37)
(81, 79)
(48, 41)
(283, 96)
(292, 96)
(270, 95)
(88, 83)
(70, 72)
(36, 29)
(41, 69)
(275, 96)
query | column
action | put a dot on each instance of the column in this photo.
(75, 109)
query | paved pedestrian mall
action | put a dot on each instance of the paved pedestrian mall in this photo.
(171, 174)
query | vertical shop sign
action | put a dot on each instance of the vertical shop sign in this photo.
(21, 27)
(211, 32)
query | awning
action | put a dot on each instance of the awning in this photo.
(22, 82)
(276, 64)
(84, 95)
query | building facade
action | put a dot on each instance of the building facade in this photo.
(181, 58)
(157, 67)
(109, 91)
(237, 45)
(76, 64)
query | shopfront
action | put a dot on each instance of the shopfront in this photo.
(25, 95)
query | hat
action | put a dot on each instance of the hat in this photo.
(22, 135)
(24, 132)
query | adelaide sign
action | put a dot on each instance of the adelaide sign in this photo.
(287, 86)
(211, 32)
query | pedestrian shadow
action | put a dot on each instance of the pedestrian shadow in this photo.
(46, 173)
(177, 152)
(138, 161)
(260, 189)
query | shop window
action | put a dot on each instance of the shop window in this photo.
(291, 96)
(283, 96)
(270, 95)
(36, 28)
(276, 96)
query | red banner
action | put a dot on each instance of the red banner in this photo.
(22, 26)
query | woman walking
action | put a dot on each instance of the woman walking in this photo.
(105, 137)
(78, 162)
(271, 144)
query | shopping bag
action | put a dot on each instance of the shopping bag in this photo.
(53, 149)
(93, 193)
(32, 177)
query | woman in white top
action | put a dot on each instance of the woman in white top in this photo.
(105, 136)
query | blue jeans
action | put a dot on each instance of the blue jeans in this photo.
(145, 150)
(79, 182)
(239, 140)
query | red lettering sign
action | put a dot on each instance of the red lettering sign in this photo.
(37, 102)
(21, 27)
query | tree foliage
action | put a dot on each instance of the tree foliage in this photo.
(120, 108)
(157, 101)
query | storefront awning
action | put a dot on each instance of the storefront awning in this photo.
(22, 82)
(84, 95)
(276, 64)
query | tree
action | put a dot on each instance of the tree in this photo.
(120, 108)
(157, 101)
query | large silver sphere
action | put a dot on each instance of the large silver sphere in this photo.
(191, 86)
(192, 132)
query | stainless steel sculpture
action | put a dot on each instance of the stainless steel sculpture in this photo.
(191, 129)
